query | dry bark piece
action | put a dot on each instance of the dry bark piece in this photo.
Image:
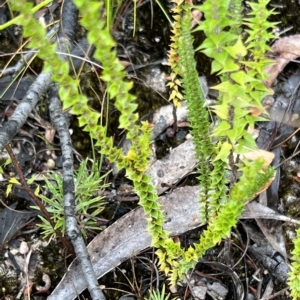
(170, 169)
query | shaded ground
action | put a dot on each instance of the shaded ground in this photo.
(247, 259)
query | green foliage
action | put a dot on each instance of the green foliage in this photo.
(29, 9)
(175, 83)
(242, 84)
(241, 89)
(210, 194)
(111, 9)
(164, 11)
(136, 160)
(239, 61)
(294, 276)
(252, 179)
(159, 295)
(88, 204)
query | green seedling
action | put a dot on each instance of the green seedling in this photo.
(89, 202)
(159, 295)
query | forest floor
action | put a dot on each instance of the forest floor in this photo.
(252, 263)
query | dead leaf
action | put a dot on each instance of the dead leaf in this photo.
(255, 111)
(197, 16)
(12, 221)
(259, 153)
(50, 133)
(255, 210)
(296, 178)
(283, 51)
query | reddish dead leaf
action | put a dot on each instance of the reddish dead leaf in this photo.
(255, 111)
(49, 134)
(125, 63)
(197, 16)
(283, 51)
(176, 239)
(8, 113)
(296, 178)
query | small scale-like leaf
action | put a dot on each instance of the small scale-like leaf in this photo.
(221, 111)
(8, 189)
(238, 50)
(14, 181)
(224, 151)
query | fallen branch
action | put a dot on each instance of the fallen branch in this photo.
(72, 229)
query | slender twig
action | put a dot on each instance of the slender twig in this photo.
(37, 201)
(69, 18)
(72, 229)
